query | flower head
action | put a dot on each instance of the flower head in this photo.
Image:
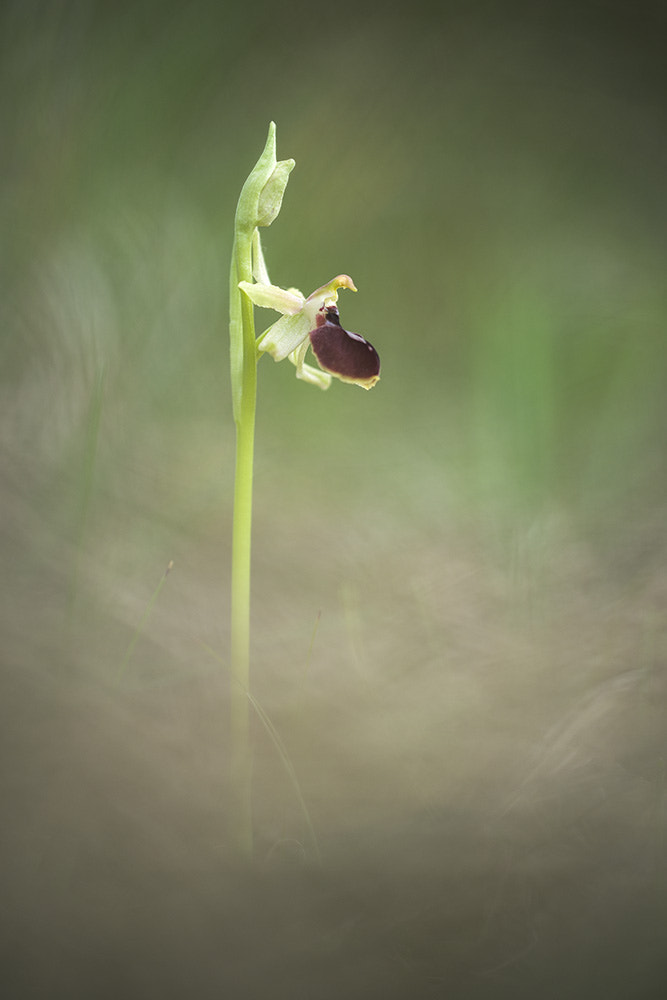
(314, 322)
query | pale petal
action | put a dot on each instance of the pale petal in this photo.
(272, 297)
(284, 336)
(314, 376)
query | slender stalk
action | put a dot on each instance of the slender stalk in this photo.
(241, 812)
(241, 816)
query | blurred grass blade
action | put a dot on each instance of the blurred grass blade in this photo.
(279, 744)
(142, 623)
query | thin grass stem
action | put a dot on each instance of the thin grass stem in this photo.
(281, 749)
(122, 667)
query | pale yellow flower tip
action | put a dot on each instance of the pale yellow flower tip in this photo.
(344, 281)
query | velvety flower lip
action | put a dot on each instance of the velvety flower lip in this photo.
(346, 355)
(314, 322)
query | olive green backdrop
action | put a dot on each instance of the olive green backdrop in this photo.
(458, 578)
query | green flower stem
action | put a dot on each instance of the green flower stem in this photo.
(241, 811)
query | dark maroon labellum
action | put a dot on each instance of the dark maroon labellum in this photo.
(344, 354)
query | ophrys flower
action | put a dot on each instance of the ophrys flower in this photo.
(314, 322)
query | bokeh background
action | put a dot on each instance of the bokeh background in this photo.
(459, 578)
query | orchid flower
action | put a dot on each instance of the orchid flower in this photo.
(312, 322)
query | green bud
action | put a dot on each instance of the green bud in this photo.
(271, 196)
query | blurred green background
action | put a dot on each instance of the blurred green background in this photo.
(477, 545)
